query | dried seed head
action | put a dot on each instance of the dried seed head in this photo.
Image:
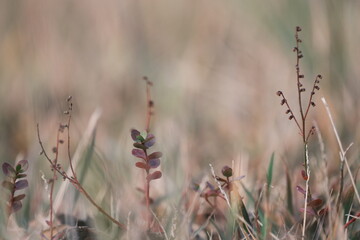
(288, 111)
(283, 101)
(54, 149)
(227, 171)
(61, 141)
(291, 117)
(279, 93)
(300, 55)
(313, 104)
(313, 130)
(317, 87)
(302, 90)
(69, 98)
(319, 76)
(151, 103)
(301, 76)
(298, 29)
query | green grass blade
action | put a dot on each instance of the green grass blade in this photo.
(86, 162)
(289, 199)
(269, 174)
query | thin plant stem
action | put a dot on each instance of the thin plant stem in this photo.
(307, 192)
(147, 196)
(149, 105)
(86, 194)
(299, 85)
(291, 112)
(68, 137)
(149, 113)
(77, 184)
(53, 184)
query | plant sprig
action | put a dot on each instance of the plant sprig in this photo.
(57, 167)
(15, 181)
(142, 143)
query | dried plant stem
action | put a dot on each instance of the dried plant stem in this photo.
(52, 183)
(149, 113)
(150, 104)
(147, 196)
(220, 187)
(323, 156)
(68, 144)
(307, 190)
(73, 180)
(86, 194)
(299, 85)
(342, 152)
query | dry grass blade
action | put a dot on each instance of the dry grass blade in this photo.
(342, 152)
(220, 187)
(77, 155)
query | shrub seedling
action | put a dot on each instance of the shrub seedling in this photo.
(142, 143)
(15, 181)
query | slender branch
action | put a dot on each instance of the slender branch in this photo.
(299, 84)
(147, 194)
(68, 137)
(292, 115)
(86, 194)
(311, 103)
(63, 174)
(307, 190)
(150, 104)
(53, 184)
(76, 183)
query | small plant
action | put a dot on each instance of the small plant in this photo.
(310, 204)
(142, 143)
(71, 176)
(225, 185)
(15, 181)
(223, 190)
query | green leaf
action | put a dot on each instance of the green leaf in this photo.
(269, 174)
(244, 213)
(347, 201)
(289, 199)
(143, 135)
(87, 160)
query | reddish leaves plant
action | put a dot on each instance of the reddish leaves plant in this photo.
(14, 182)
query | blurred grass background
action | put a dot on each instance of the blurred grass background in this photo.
(216, 66)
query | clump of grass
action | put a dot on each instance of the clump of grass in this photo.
(15, 181)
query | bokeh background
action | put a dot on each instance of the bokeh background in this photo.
(215, 65)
